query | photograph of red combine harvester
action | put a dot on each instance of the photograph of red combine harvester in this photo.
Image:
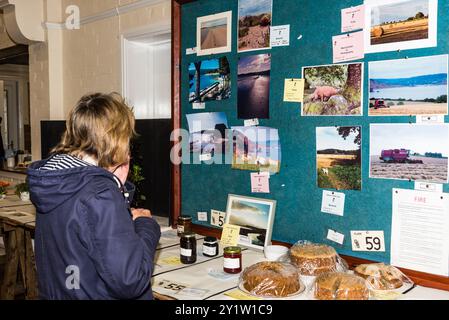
(409, 152)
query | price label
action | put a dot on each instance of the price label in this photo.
(368, 241)
(217, 218)
(170, 285)
(230, 235)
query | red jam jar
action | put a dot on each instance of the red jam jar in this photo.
(232, 257)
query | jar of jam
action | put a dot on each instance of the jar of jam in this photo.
(210, 247)
(232, 260)
(184, 224)
(188, 248)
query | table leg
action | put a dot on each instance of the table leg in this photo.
(8, 287)
(30, 269)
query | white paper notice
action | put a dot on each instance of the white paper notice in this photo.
(280, 36)
(353, 18)
(202, 216)
(251, 122)
(435, 118)
(420, 231)
(260, 182)
(348, 47)
(335, 236)
(199, 105)
(205, 157)
(333, 202)
(426, 186)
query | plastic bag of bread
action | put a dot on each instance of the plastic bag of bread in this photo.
(271, 279)
(384, 281)
(340, 286)
(313, 259)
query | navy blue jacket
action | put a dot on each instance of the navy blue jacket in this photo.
(84, 224)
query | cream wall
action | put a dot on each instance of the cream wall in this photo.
(74, 62)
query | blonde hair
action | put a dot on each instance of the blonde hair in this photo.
(100, 125)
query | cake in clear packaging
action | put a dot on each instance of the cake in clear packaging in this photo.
(340, 286)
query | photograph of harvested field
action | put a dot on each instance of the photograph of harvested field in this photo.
(338, 155)
(254, 24)
(214, 33)
(209, 80)
(333, 90)
(415, 152)
(256, 149)
(400, 24)
(408, 86)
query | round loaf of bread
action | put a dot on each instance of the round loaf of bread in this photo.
(380, 276)
(271, 279)
(340, 286)
(313, 259)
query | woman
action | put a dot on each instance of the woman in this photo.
(89, 243)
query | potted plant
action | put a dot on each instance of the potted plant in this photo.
(136, 177)
(22, 191)
(3, 186)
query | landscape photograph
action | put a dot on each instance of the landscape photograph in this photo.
(209, 80)
(333, 90)
(214, 33)
(338, 154)
(207, 132)
(256, 149)
(416, 152)
(408, 86)
(254, 24)
(253, 90)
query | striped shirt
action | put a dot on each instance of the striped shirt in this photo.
(63, 161)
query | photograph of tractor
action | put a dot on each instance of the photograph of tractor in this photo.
(397, 156)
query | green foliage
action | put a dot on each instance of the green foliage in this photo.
(323, 180)
(135, 174)
(390, 103)
(350, 176)
(21, 187)
(2, 190)
(334, 75)
(400, 103)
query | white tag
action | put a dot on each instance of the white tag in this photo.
(425, 186)
(210, 251)
(193, 292)
(217, 218)
(251, 122)
(205, 157)
(202, 216)
(368, 241)
(333, 202)
(180, 229)
(186, 252)
(280, 36)
(335, 236)
(231, 263)
(191, 51)
(199, 105)
(170, 285)
(436, 118)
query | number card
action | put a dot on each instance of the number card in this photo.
(217, 218)
(372, 241)
(230, 235)
(294, 90)
(170, 285)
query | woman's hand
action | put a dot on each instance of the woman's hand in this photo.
(137, 213)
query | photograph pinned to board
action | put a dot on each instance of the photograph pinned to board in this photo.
(408, 86)
(254, 216)
(253, 96)
(339, 158)
(214, 33)
(400, 24)
(208, 132)
(209, 80)
(416, 152)
(333, 90)
(255, 20)
(256, 149)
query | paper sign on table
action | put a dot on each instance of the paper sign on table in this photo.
(280, 36)
(251, 122)
(202, 216)
(199, 105)
(335, 236)
(240, 295)
(217, 218)
(371, 241)
(170, 285)
(260, 182)
(192, 292)
(353, 18)
(230, 235)
(333, 202)
(294, 90)
(221, 275)
(348, 47)
(420, 231)
(170, 261)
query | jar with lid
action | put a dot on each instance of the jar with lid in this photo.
(210, 247)
(188, 248)
(184, 224)
(232, 257)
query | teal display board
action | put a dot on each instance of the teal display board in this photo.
(298, 213)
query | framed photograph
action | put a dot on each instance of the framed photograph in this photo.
(417, 152)
(408, 86)
(400, 24)
(333, 90)
(255, 20)
(214, 33)
(255, 217)
(339, 157)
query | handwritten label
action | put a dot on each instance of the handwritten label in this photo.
(260, 182)
(294, 90)
(199, 105)
(348, 47)
(431, 187)
(353, 18)
(202, 216)
(230, 235)
(436, 118)
(368, 241)
(280, 36)
(251, 122)
(217, 218)
(333, 202)
(335, 236)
